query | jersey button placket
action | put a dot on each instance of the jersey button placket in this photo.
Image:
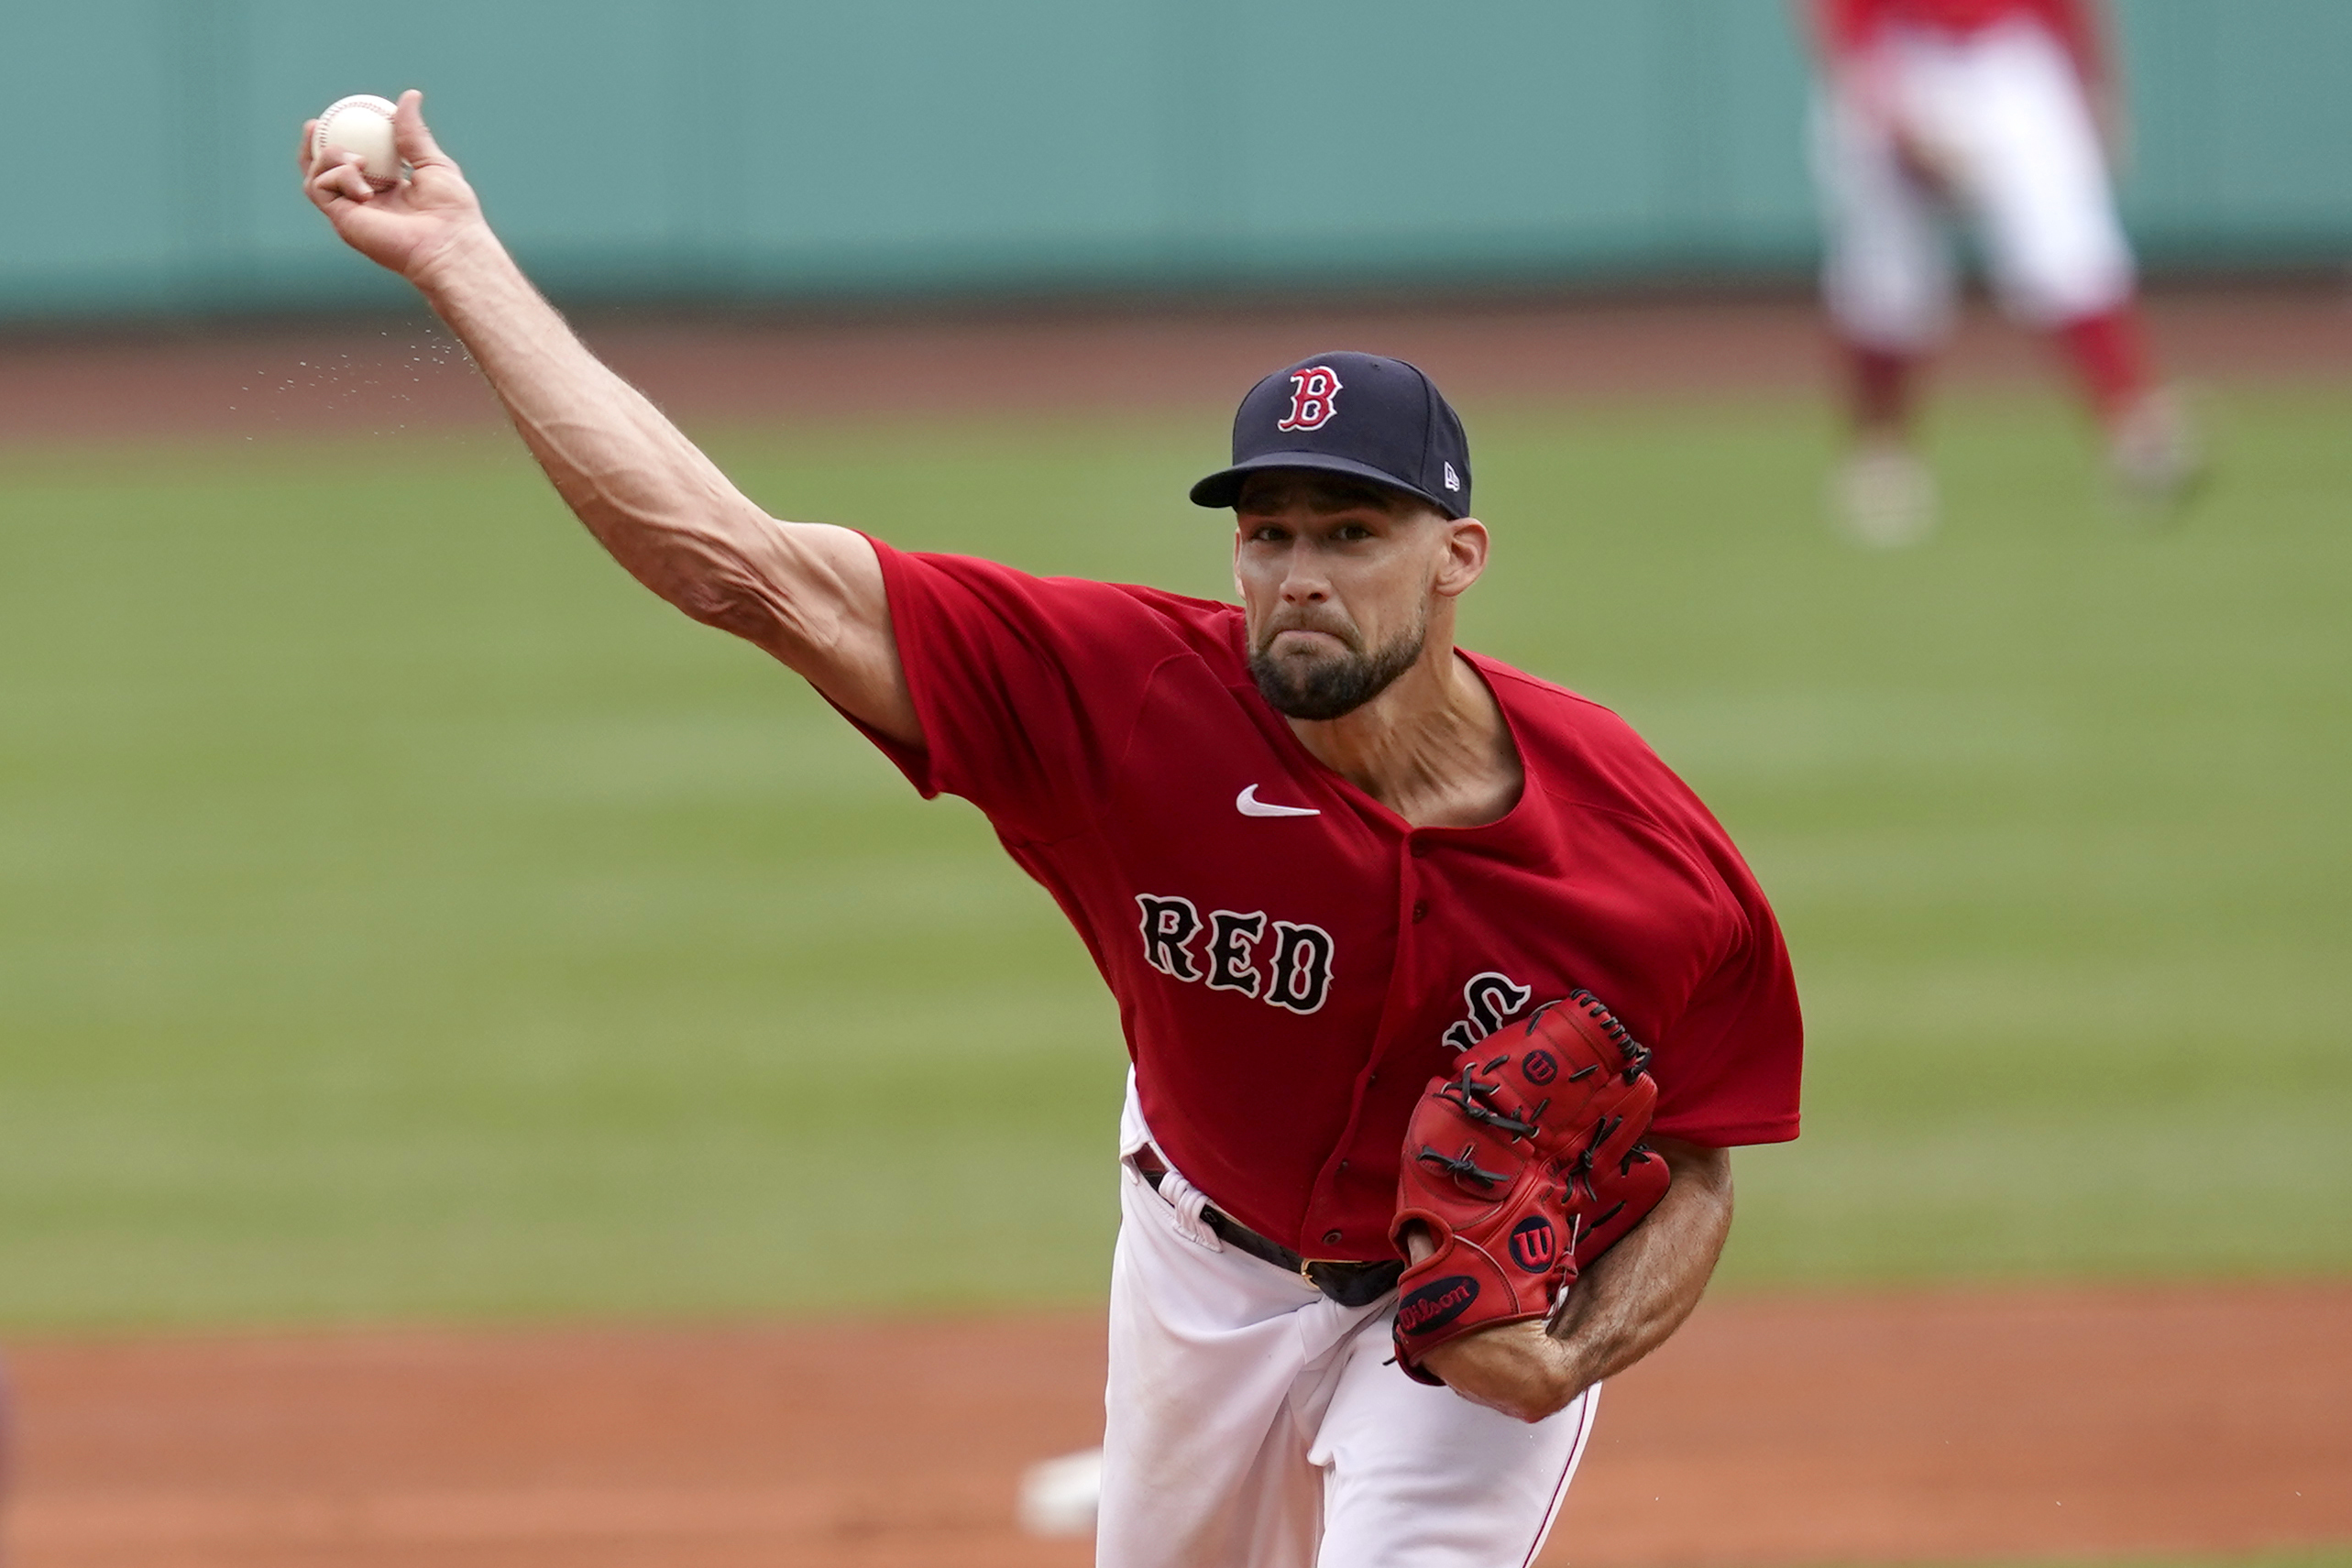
(1408, 877)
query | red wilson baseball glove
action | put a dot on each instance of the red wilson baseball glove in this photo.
(1524, 1167)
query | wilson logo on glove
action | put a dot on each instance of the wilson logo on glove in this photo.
(1436, 1304)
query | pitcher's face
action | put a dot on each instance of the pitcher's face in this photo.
(1337, 577)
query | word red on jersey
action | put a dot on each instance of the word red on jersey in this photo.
(1293, 962)
(1315, 398)
(1296, 973)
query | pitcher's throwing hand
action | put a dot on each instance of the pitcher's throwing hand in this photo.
(408, 224)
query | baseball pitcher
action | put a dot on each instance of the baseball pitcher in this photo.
(1445, 1000)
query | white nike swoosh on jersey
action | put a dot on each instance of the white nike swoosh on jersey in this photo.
(1248, 805)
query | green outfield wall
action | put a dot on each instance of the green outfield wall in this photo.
(728, 148)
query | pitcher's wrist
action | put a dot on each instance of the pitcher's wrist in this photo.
(466, 259)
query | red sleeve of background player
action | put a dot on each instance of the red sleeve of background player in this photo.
(1730, 1069)
(1841, 27)
(1026, 686)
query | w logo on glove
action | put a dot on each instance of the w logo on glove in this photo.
(1534, 1243)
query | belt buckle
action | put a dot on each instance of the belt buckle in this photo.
(1307, 1266)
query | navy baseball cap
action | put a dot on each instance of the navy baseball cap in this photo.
(1360, 415)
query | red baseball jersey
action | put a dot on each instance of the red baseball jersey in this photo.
(1292, 961)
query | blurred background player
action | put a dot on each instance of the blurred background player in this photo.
(2001, 113)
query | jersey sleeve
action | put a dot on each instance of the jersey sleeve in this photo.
(1731, 1070)
(1026, 687)
(1842, 29)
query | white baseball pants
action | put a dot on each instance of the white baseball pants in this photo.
(2003, 115)
(1254, 1423)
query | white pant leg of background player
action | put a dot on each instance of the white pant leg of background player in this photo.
(2008, 101)
(1886, 276)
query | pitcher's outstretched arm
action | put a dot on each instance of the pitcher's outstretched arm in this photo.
(810, 594)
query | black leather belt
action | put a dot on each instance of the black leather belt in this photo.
(1349, 1284)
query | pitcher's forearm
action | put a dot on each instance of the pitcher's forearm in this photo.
(648, 494)
(1632, 1300)
(810, 594)
(1616, 1312)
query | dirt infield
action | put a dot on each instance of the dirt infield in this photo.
(262, 381)
(1771, 1432)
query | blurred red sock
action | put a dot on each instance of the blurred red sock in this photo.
(1878, 388)
(2110, 357)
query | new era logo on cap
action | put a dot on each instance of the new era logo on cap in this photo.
(1396, 429)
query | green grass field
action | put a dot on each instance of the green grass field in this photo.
(403, 915)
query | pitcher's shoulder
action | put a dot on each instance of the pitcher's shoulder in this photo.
(1585, 752)
(1546, 713)
(1211, 628)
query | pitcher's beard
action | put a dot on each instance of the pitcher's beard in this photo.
(1336, 685)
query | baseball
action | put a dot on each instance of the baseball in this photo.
(362, 122)
(1060, 1496)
